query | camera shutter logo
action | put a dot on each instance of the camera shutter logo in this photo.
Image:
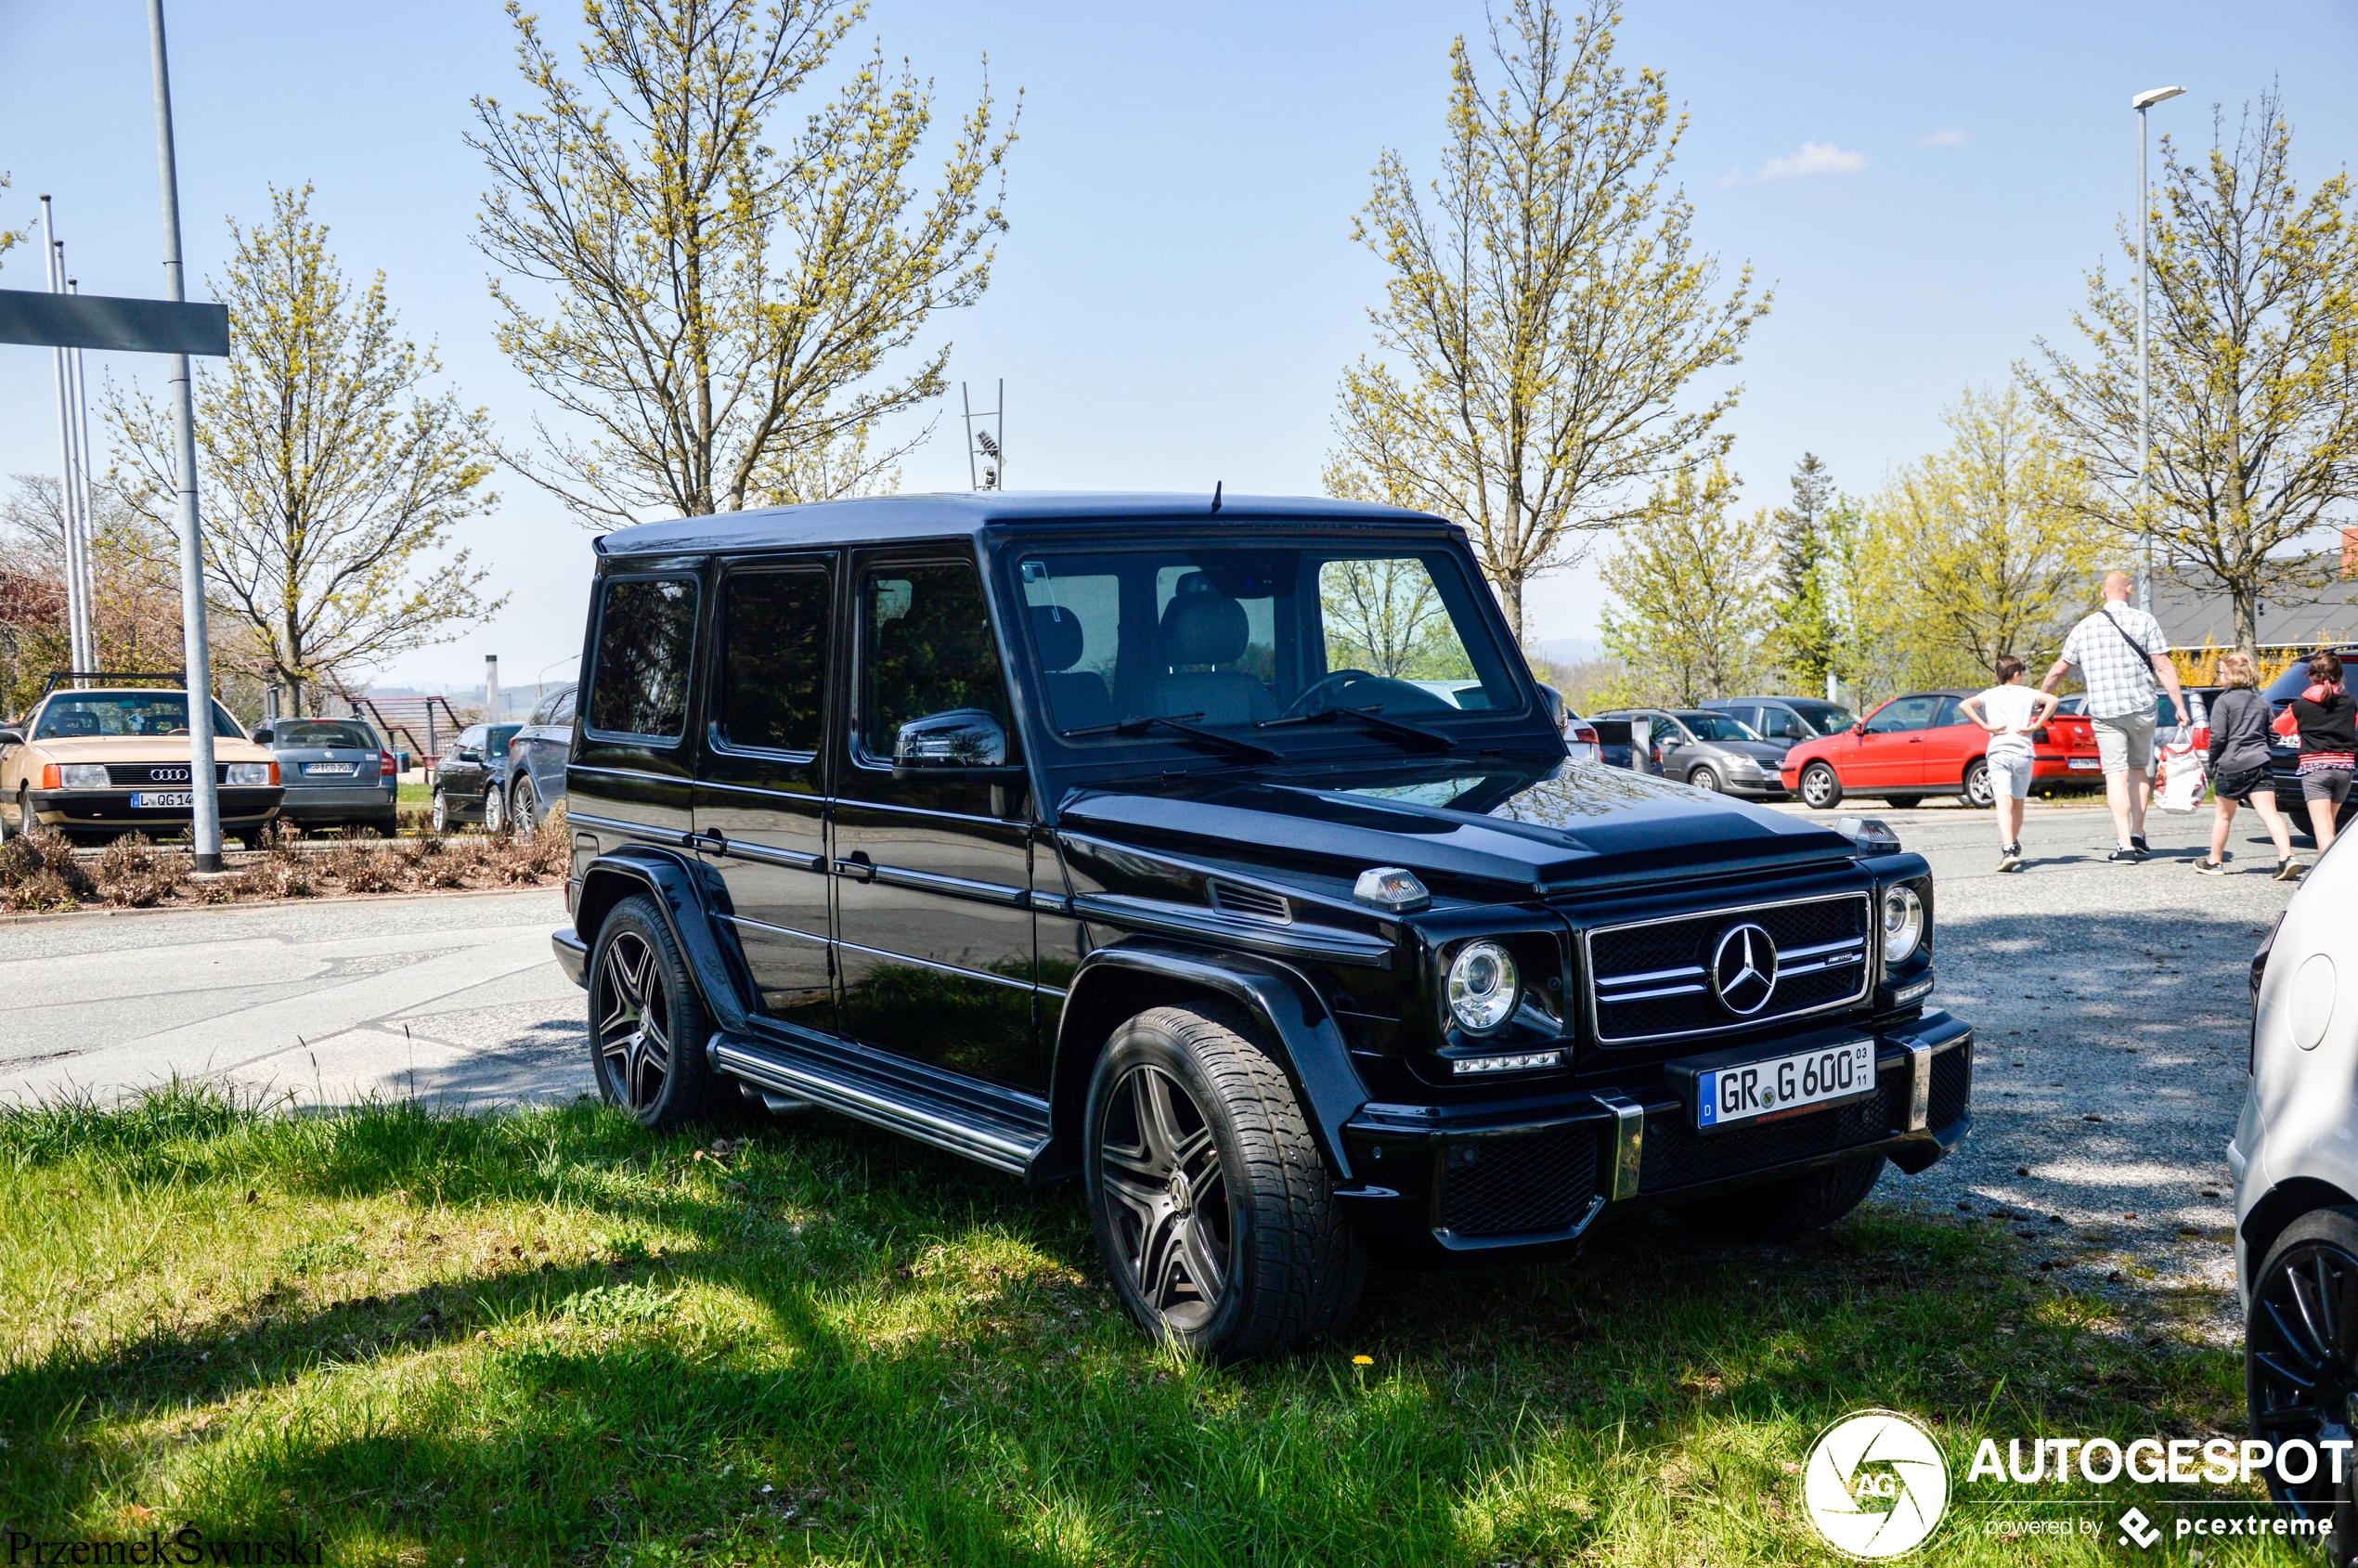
(1744, 969)
(1875, 1485)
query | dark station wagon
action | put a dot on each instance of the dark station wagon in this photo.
(1122, 838)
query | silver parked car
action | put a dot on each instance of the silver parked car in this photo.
(336, 771)
(1711, 751)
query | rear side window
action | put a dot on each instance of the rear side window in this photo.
(929, 650)
(773, 659)
(638, 684)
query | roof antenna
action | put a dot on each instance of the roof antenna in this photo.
(1215, 494)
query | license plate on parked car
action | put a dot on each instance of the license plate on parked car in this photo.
(1729, 1094)
(161, 800)
(344, 769)
(2089, 763)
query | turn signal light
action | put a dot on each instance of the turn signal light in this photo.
(49, 778)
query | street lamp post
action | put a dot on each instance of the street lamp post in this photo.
(2140, 103)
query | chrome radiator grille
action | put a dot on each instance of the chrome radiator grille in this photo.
(1653, 979)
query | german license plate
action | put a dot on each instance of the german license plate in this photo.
(1729, 1094)
(2089, 764)
(161, 800)
(340, 769)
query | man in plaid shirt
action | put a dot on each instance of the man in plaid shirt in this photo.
(2122, 658)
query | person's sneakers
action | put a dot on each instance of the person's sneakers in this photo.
(2010, 858)
(2211, 868)
(2124, 856)
(2288, 870)
(2137, 842)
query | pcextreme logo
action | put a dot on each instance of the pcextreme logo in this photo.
(1875, 1485)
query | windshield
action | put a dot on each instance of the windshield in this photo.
(1718, 727)
(86, 714)
(1831, 718)
(322, 731)
(1243, 637)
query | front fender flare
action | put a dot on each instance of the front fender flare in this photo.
(689, 893)
(1294, 1019)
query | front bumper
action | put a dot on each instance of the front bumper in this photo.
(110, 811)
(1478, 1185)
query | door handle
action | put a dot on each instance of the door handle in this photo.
(856, 864)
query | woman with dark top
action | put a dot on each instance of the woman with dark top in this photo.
(2239, 764)
(2327, 721)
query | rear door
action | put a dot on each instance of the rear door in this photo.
(462, 772)
(634, 770)
(762, 782)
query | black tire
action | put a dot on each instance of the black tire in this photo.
(525, 812)
(1231, 1189)
(1901, 802)
(1705, 778)
(647, 1024)
(1821, 787)
(2300, 1361)
(1777, 1209)
(387, 826)
(1977, 792)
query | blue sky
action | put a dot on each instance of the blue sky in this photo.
(1922, 186)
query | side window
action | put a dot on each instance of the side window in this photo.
(771, 692)
(563, 711)
(638, 684)
(1076, 629)
(928, 650)
(1775, 723)
(1907, 713)
(1952, 712)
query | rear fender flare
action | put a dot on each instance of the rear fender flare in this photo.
(688, 893)
(1117, 982)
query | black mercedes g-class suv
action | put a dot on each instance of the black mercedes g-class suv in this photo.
(1225, 857)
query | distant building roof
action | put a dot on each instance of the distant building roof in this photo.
(2195, 618)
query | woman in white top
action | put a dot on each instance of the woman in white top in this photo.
(2009, 711)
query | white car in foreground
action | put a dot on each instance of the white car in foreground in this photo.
(2294, 1158)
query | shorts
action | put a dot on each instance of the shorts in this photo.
(2010, 773)
(2327, 784)
(2126, 742)
(2243, 782)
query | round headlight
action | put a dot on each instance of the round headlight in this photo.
(1482, 987)
(1903, 923)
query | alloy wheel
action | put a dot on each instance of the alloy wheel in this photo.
(1818, 787)
(1979, 792)
(632, 1037)
(2300, 1364)
(1160, 1172)
(1704, 778)
(441, 813)
(494, 812)
(527, 812)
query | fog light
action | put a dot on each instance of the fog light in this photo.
(1523, 1062)
(1914, 991)
(1483, 987)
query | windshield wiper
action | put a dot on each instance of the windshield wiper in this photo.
(1414, 734)
(1236, 745)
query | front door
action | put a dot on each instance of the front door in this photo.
(933, 918)
(761, 786)
(1951, 741)
(1891, 752)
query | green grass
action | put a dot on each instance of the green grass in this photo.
(551, 1337)
(407, 794)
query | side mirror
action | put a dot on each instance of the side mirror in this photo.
(468, 754)
(262, 737)
(959, 739)
(1859, 729)
(12, 737)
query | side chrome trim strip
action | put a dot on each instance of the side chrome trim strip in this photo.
(937, 968)
(670, 837)
(951, 886)
(761, 854)
(1628, 1144)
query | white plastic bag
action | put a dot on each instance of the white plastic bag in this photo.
(2182, 779)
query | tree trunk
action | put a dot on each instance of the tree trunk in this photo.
(2247, 600)
(1510, 600)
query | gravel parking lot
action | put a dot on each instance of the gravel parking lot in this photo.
(2113, 1006)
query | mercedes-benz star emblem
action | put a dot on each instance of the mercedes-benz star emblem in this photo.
(1744, 969)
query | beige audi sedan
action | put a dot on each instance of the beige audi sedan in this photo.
(98, 762)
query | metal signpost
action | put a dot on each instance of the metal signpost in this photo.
(169, 326)
(2140, 103)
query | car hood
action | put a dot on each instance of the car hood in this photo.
(1467, 830)
(143, 749)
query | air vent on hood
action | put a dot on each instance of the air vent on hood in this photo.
(1250, 903)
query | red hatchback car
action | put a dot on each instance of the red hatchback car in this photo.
(1922, 744)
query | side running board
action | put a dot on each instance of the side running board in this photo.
(1001, 1128)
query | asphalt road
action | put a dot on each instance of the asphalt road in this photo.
(2111, 1002)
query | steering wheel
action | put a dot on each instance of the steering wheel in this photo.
(1330, 685)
